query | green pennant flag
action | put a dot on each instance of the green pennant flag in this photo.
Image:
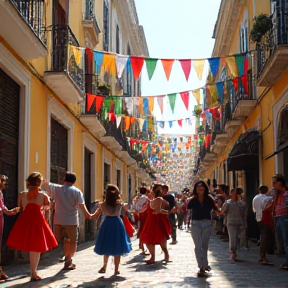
(240, 63)
(118, 106)
(151, 65)
(172, 100)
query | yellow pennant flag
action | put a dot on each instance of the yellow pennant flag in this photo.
(109, 63)
(196, 94)
(199, 66)
(150, 105)
(232, 65)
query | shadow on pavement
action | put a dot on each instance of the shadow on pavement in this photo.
(102, 282)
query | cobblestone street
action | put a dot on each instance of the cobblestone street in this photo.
(181, 272)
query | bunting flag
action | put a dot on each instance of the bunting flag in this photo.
(121, 61)
(151, 65)
(161, 103)
(220, 90)
(140, 106)
(136, 64)
(99, 102)
(150, 105)
(146, 106)
(214, 65)
(77, 53)
(186, 66)
(118, 121)
(235, 83)
(109, 63)
(170, 124)
(129, 103)
(118, 106)
(196, 94)
(180, 122)
(98, 59)
(89, 101)
(185, 99)
(141, 123)
(232, 65)
(240, 58)
(167, 66)
(199, 66)
(245, 83)
(172, 100)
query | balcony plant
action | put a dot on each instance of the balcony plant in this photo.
(103, 89)
(262, 24)
(197, 110)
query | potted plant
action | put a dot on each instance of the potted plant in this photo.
(197, 110)
(104, 89)
(262, 24)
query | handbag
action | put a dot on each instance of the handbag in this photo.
(128, 226)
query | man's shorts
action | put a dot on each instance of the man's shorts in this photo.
(66, 231)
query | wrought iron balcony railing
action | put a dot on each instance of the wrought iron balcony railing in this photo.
(66, 55)
(89, 14)
(33, 11)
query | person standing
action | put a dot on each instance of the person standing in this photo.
(31, 232)
(259, 202)
(201, 204)
(67, 199)
(172, 212)
(112, 239)
(280, 213)
(236, 213)
(6, 211)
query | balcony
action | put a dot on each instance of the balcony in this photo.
(93, 124)
(22, 25)
(243, 108)
(222, 139)
(90, 25)
(272, 52)
(111, 143)
(124, 155)
(66, 73)
(231, 126)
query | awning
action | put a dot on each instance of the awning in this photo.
(280, 149)
(245, 153)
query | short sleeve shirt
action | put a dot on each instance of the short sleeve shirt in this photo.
(67, 199)
(201, 211)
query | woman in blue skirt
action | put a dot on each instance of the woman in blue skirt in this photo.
(112, 239)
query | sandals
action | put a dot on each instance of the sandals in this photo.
(149, 262)
(117, 273)
(35, 279)
(103, 270)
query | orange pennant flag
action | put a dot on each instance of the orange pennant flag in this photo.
(167, 66)
(150, 105)
(140, 105)
(127, 122)
(132, 120)
(90, 99)
(99, 101)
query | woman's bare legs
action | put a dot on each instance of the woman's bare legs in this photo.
(151, 248)
(117, 262)
(105, 261)
(163, 246)
(34, 261)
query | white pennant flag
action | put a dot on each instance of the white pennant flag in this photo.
(141, 123)
(121, 61)
(129, 104)
(118, 121)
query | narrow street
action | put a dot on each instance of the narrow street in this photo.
(181, 272)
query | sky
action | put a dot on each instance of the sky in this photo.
(176, 29)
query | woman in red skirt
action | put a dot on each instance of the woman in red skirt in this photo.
(157, 227)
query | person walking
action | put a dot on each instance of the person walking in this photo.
(236, 213)
(67, 199)
(259, 203)
(6, 211)
(31, 232)
(112, 239)
(201, 204)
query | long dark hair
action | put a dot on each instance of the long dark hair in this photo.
(206, 192)
(112, 195)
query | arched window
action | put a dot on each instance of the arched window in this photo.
(283, 128)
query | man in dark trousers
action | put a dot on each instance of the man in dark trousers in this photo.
(172, 211)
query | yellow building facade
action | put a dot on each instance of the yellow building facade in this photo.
(251, 145)
(43, 86)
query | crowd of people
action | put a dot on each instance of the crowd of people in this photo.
(157, 213)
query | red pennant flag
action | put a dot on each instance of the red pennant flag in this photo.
(180, 122)
(235, 83)
(99, 101)
(186, 66)
(89, 101)
(245, 83)
(136, 65)
(185, 99)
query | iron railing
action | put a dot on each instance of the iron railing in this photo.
(33, 12)
(89, 14)
(66, 55)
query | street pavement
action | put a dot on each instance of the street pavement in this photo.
(180, 272)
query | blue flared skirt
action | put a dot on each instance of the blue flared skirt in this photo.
(112, 239)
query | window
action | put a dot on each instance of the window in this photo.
(106, 27)
(244, 38)
(283, 127)
(117, 40)
(119, 178)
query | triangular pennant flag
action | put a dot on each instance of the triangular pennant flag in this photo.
(186, 66)
(196, 94)
(220, 90)
(136, 64)
(161, 103)
(98, 58)
(140, 123)
(214, 65)
(240, 58)
(145, 106)
(172, 100)
(150, 105)
(245, 84)
(89, 101)
(199, 66)
(235, 83)
(118, 105)
(132, 120)
(214, 95)
(129, 104)
(140, 105)
(167, 66)
(180, 122)
(232, 65)
(170, 123)
(121, 61)
(118, 121)
(127, 122)
(185, 99)
(109, 63)
(151, 65)
(99, 102)
(161, 125)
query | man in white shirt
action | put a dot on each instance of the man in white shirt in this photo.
(259, 202)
